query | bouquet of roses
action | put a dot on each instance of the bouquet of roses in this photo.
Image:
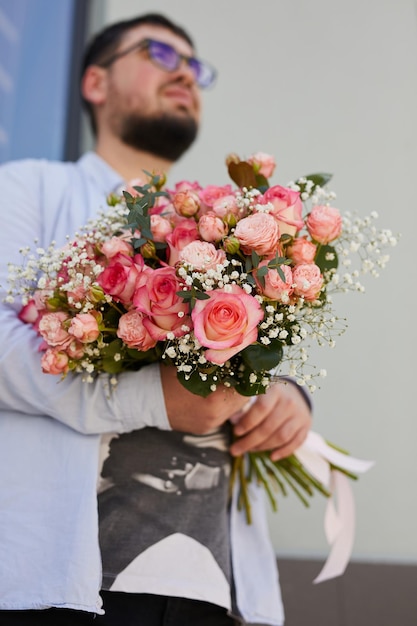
(227, 283)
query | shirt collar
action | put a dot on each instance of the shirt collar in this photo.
(104, 176)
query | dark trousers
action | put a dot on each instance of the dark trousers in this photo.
(127, 609)
(47, 617)
(131, 609)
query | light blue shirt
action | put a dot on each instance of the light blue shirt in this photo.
(49, 552)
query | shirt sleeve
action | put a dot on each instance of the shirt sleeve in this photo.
(134, 402)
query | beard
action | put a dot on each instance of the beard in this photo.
(164, 136)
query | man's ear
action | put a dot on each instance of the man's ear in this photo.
(94, 84)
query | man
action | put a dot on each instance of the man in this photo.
(174, 551)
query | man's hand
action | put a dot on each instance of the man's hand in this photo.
(278, 421)
(190, 413)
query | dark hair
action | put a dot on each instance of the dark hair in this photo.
(106, 42)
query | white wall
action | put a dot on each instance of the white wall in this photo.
(330, 86)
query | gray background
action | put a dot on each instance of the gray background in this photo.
(329, 85)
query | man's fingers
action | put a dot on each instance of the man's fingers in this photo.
(283, 451)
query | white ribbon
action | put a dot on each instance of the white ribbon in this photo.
(339, 523)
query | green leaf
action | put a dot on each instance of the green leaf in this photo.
(258, 357)
(320, 179)
(112, 348)
(261, 183)
(185, 295)
(201, 295)
(148, 356)
(326, 263)
(194, 384)
(137, 243)
(281, 274)
(255, 258)
(111, 366)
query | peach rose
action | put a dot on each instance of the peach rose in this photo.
(84, 328)
(132, 331)
(226, 322)
(186, 203)
(116, 245)
(184, 233)
(160, 228)
(262, 163)
(202, 255)
(51, 328)
(274, 287)
(324, 223)
(75, 349)
(287, 208)
(54, 361)
(211, 227)
(158, 300)
(259, 232)
(301, 250)
(308, 281)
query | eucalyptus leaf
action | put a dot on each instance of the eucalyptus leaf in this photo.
(255, 258)
(201, 295)
(262, 271)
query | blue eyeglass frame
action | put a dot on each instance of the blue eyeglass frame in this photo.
(197, 65)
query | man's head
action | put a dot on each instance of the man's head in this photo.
(141, 83)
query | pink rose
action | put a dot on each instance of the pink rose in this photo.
(287, 208)
(211, 227)
(122, 276)
(211, 193)
(160, 228)
(308, 281)
(135, 182)
(184, 233)
(54, 361)
(274, 287)
(165, 310)
(52, 329)
(202, 255)
(78, 294)
(301, 250)
(183, 185)
(117, 245)
(262, 163)
(84, 328)
(225, 206)
(186, 203)
(259, 232)
(29, 313)
(324, 223)
(133, 333)
(226, 322)
(75, 349)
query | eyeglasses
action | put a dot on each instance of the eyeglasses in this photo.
(168, 59)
